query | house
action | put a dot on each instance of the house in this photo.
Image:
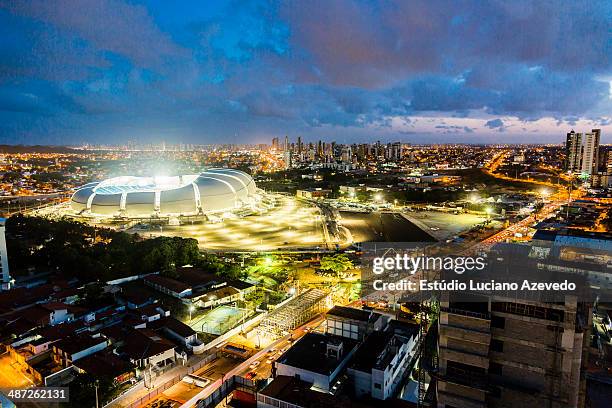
(175, 330)
(146, 347)
(168, 286)
(105, 364)
(72, 348)
(198, 287)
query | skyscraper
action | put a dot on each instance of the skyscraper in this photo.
(582, 152)
(5, 282)
(275, 143)
(590, 152)
(573, 151)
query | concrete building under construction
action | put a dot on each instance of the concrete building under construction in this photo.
(502, 352)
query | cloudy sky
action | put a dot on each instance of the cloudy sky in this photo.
(109, 71)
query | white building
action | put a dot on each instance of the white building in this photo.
(317, 359)
(6, 280)
(382, 362)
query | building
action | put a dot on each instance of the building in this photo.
(502, 352)
(573, 151)
(353, 323)
(200, 288)
(313, 193)
(317, 359)
(72, 348)
(147, 348)
(5, 277)
(382, 363)
(291, 392)
(107, 365)
(213, 191)
(582, 152)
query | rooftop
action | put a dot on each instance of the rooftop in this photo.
(145, 343)
(295, 391)
(143, 184)
(172, 324)
(354, 314)
(103, 364)
(310, 353)
(74, 344)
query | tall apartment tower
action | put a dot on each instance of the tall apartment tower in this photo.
(504, 352)
(275, 143)
(590, 152)
(286, 146)
(582, 152)
(573, 151)
(6, 280)
(299, 145)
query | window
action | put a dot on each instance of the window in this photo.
(498, 322)
(377, 386)
(497, 345)
(495, 368)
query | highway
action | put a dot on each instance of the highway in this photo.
(522, 227)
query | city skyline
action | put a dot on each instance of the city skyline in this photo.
(347, 71)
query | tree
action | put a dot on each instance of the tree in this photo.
(337, 263)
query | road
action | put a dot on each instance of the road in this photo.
(261, 356)
(139, 390)
(522, 227)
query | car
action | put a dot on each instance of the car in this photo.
(270, 360)
(255, 364)
(272, 350)
(251, 375)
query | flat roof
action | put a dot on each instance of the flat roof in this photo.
(297, 392)
(353, 313)
(310, 353)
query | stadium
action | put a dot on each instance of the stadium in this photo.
(213, 191)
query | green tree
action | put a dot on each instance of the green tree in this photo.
(337, 263)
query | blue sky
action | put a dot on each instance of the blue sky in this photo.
(109, 71)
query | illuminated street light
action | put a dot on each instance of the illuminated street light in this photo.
(473, 198)
(378, 197)
(191, 309)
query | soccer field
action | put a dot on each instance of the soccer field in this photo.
(220, 320)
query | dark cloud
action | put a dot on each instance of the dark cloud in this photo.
(497, 124)
(112, 68)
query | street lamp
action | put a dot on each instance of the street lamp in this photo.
(489, 211)
(191, 309)
(378, 197)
